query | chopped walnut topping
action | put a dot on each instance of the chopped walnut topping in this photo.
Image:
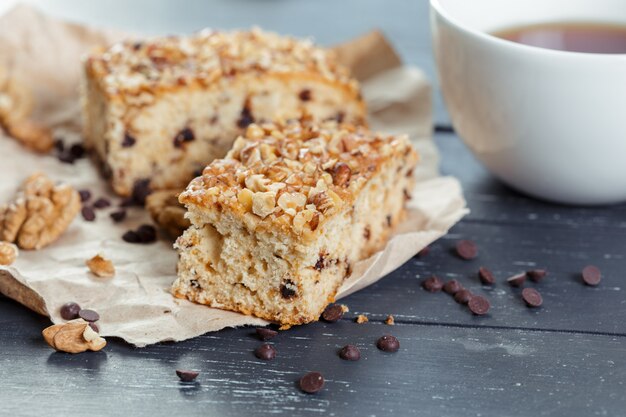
(361, 318)
(75, 336)
(101, 266)
(39, 214)
(8, 253)
(390, 320)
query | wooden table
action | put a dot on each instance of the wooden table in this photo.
(567, 358)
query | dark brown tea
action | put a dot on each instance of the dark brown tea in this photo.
(597, 38)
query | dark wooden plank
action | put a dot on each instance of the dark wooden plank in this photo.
(452, 371)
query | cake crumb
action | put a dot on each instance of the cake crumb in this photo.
(101, 266)
(285, 327)
(390, 320)
(344, 308)
(361, 318)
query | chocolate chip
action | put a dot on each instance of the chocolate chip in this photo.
(312, 382)
(85, 195)
(141, 190)
(463, 296)
(388, 220)
(340, 117)
(332, 313)
(591, 275)
(185, 135)
(287, 290)
(137, 45)
(478, 305)
(466, 249)
(425, 251)
(101, 203)
(186, 375)
(517, 280)
(127, 202)
(147, 233)
(432, 284)
(77, 151)
(388, 343)
(265, 352)
(531, 297)
(486, 276)
(265, 334)
(305, 95)
(59, 146)
(118, 216)
(69, 311)
(367, 233)
(94, 327)
(319, 265)
(88, 315)
(536, 275)
(246, 118)
(131, 237)
(452, 287)
(88, 214)
(128, 141)
(66, 158)
(350, 353)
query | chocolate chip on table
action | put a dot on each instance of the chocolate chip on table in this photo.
(141, 190)
(486, 276)
(466, 249)
(186, 375)
(131, 237)
(591, 275)
(452, 287)
(531, 297)
(463, 296)
(69, 311)
(388, 343)
(517, 280)
(94, 327)
(312, 382)
(118, 215)
(332, 313)
(85, 195)
(88, 315)
(88, 214)
(147, 233)
(536, 275)
(265, 334)
(66, 158)
(101, 203)
(265, 352)
(77, 151)
(128, 141)
(478, 305)
(350, 353)
(432, 284)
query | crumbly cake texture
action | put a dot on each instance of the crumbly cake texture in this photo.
(277, 224)
(157, 112)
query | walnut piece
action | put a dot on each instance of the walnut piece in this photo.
(361, 319)
(101, 267)
(39, 214)
(390, 320)
(167, 212)
(75, 336)
(8, 253)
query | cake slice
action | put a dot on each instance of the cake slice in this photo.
(157, 112)
(277, 224)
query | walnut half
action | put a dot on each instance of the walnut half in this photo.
(40, 212)
(75, 336)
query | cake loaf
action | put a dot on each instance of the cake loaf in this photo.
(277, 224)
(158, 111)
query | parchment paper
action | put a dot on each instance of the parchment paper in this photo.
(136, 304)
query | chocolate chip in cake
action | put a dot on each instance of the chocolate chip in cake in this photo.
(320, 264)
(101, 203)
(305, 95)
(350, 353)
(85, 195)
(131, 237)
(332, 313)
(462, 296)
(141, 190)
(69, 311)
(288, 289)
(245, 118)
(517, 280)
(186, 375)
(531, 297)
(147, 233)
(340, 117)
(486, 276)
(94, 327)
(88, 213)
(118, 216)
(591, 275)
(88, 315)
(432, 284)
(128, 141)
(77, 151)
(265, 334)
(478, 305)
(185, 135)
(312, 382)
(452, 287)
(388, 220)
(466, 249)
(536, 275)
(407, 196)
(265, 352)
(388, 343)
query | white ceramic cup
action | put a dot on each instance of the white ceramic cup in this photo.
(549, 123)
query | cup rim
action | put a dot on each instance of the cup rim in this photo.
(488, 37)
